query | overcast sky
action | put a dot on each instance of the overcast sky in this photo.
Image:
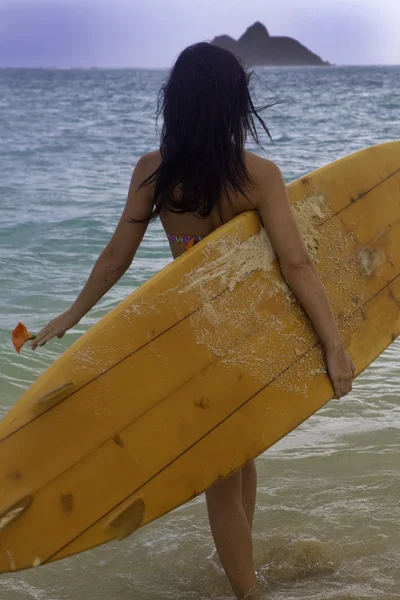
(150, 33)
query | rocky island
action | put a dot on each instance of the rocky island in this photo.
(257, 48)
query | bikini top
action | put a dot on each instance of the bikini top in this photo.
(189, 240)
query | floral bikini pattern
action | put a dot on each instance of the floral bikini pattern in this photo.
(189, 240)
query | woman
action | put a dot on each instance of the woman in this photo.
(200, 178)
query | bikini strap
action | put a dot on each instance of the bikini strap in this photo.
(184, 239)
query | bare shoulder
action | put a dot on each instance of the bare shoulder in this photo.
(261, 168)
(148, 163)
(267, 178)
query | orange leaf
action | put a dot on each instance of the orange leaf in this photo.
(20, 335)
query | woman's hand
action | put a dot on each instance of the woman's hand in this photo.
(55, 328)
(341, 369)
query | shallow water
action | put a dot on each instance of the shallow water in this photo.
(328, 511)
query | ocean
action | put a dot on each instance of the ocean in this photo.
(328, 509)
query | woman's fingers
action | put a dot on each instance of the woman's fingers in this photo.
(341, 369)
(343, 386)
(43, 336)
(55, 328)
(37, 339)
(46, 338)
(353, 366)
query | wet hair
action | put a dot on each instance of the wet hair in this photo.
(208, 114)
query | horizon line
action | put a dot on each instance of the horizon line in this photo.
(126, 68)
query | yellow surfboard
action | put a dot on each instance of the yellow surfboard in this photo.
(198, 371)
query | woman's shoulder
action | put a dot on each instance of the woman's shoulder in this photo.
(254, 162)
(150, 161)
(146, 165)
(260, 164)
(264, 172)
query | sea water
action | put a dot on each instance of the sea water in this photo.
(327, 524)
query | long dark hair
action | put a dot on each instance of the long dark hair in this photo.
(208, 114)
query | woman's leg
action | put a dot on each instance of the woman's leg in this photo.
(249, 490)
(232, 534)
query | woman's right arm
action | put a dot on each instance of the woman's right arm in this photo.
(115, 258)
(300, 273)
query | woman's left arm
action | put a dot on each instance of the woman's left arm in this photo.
(115, 259)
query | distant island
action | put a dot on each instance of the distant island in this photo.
(257, 48)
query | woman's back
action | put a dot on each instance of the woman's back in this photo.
(191, 225)
(202, 176)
